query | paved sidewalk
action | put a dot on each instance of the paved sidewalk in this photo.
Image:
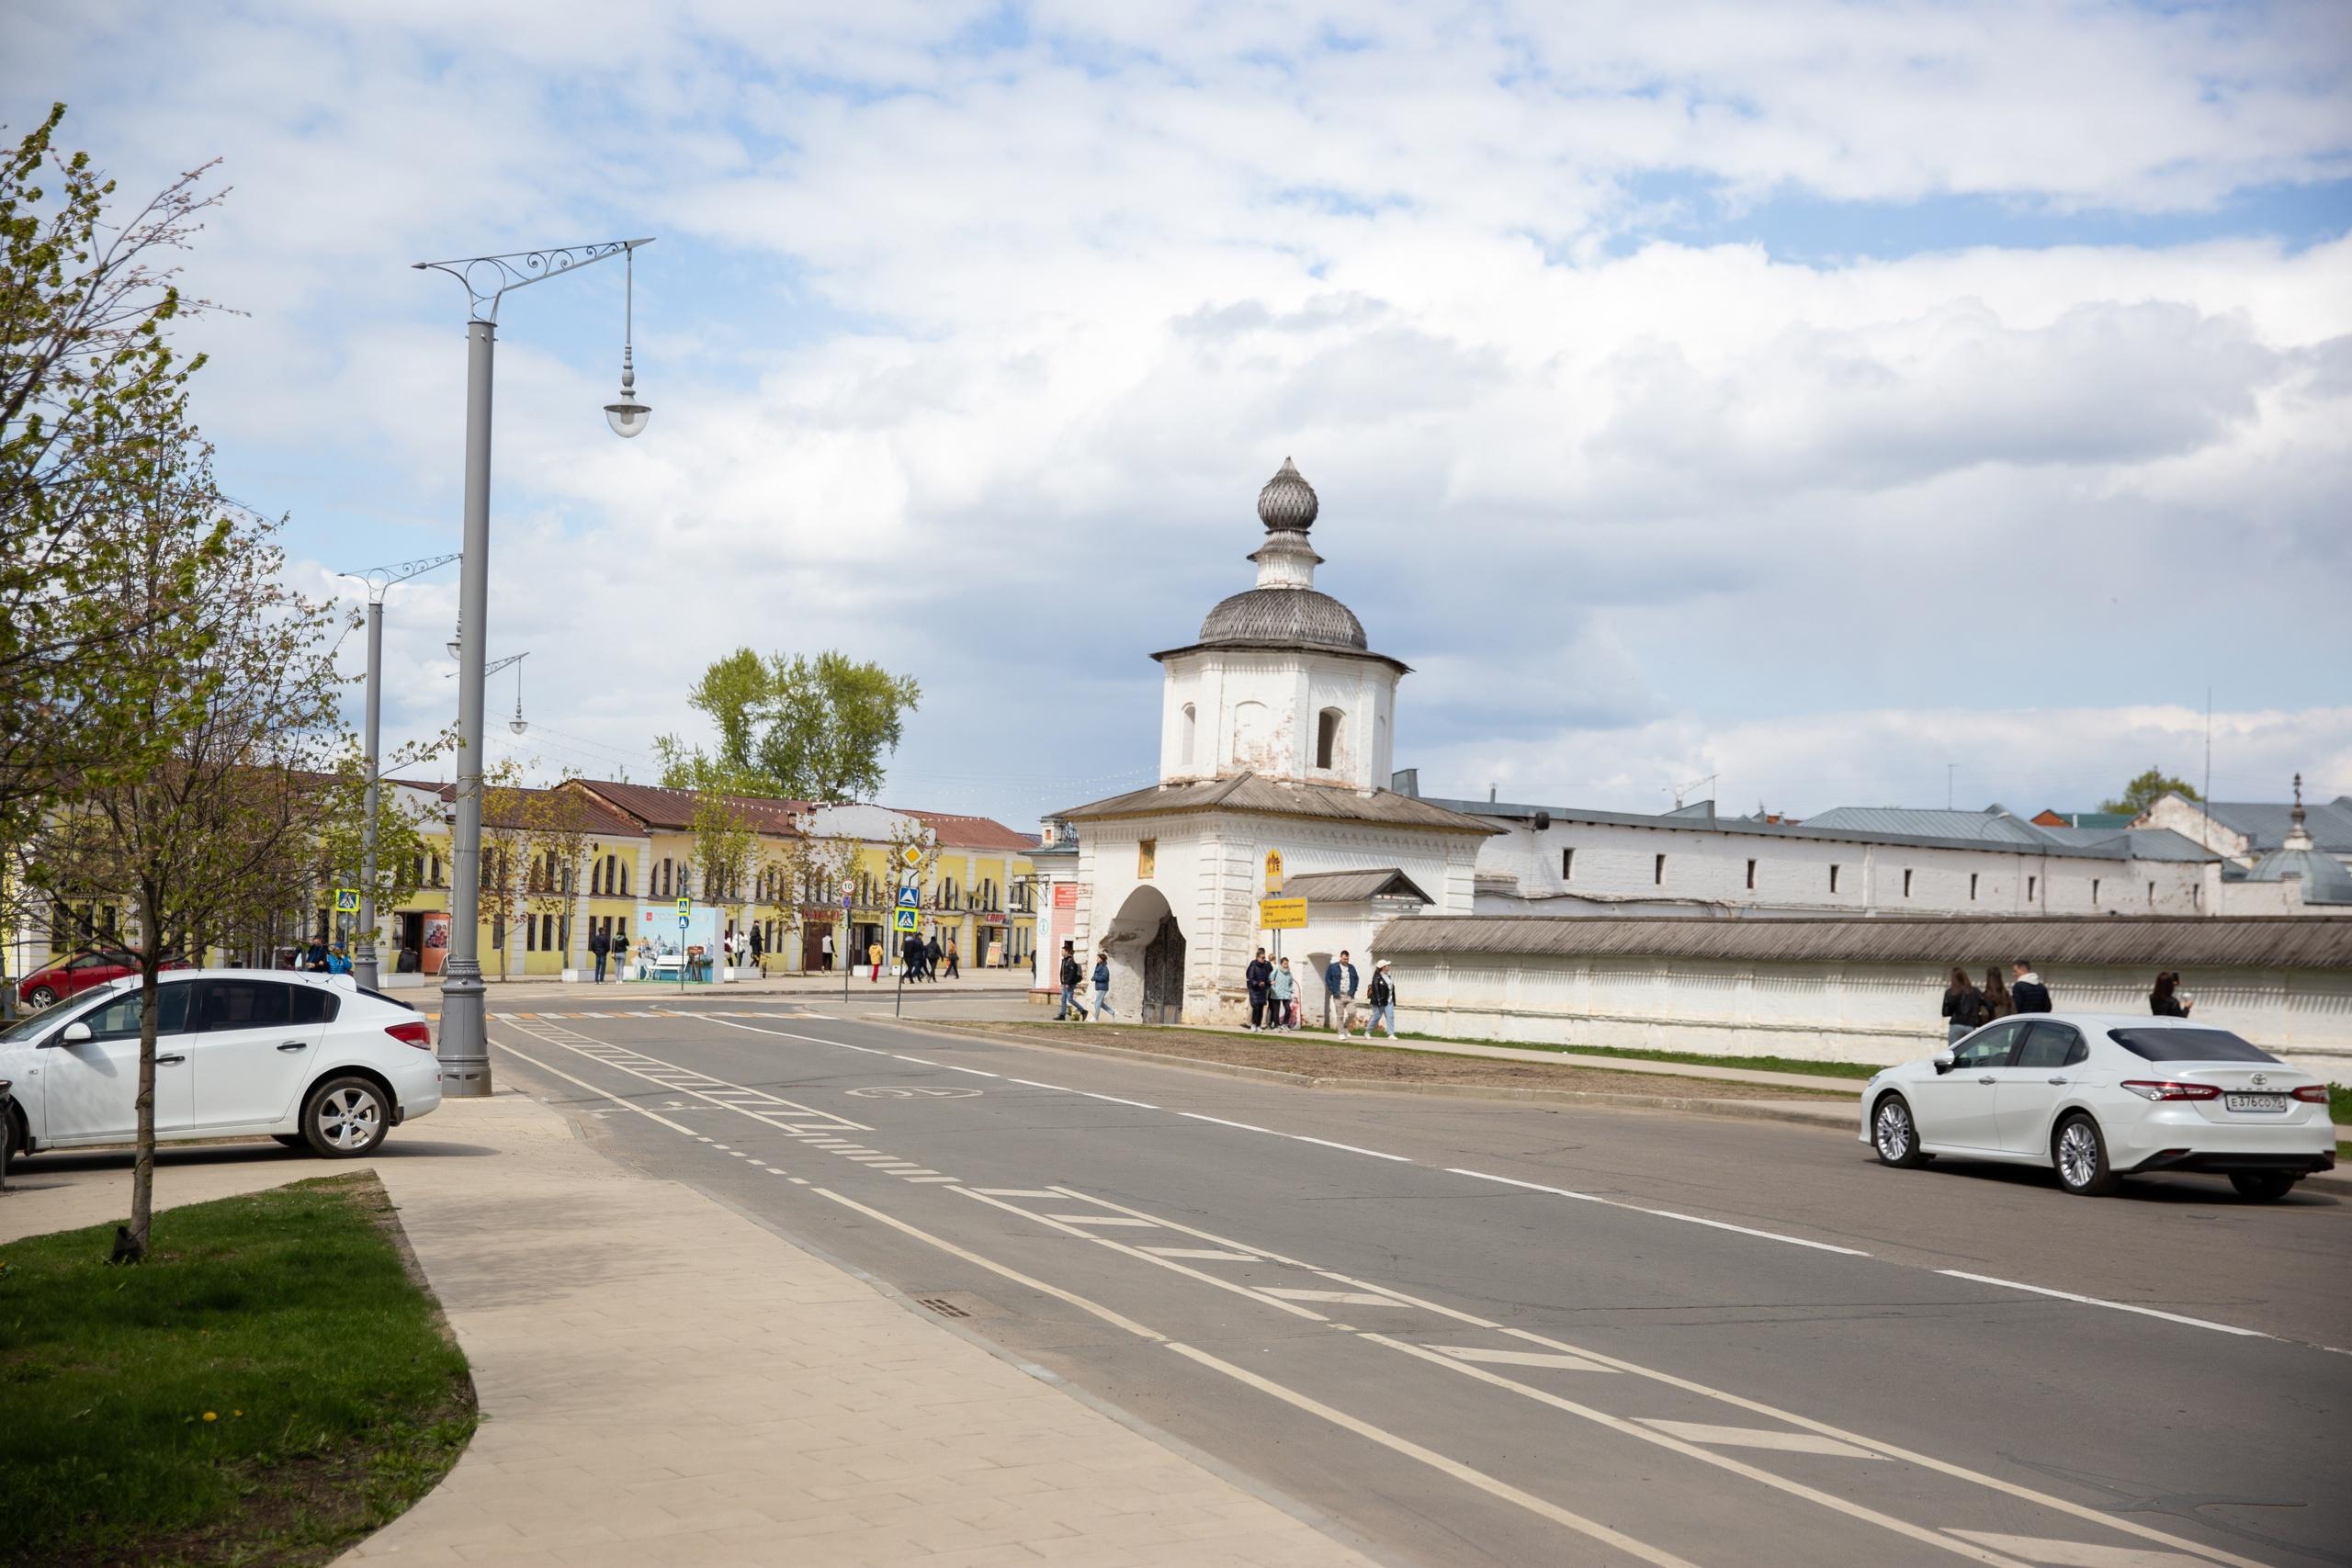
(667, 1382)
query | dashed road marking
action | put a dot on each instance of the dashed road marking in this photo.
(1520, 1358)
(2055, 1553)
(2118, 1306)
(1758, 1438)
(1339, 1298)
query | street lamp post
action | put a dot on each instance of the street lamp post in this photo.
(378, 579)
(465, 1032)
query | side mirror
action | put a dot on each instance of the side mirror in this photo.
(1943, 1062)
(74, 1034)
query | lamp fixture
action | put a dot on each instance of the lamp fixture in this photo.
(626, 413)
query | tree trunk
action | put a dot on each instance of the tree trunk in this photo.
(130, 1240)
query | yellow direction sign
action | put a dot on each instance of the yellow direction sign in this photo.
(347, 900)
(1274, 872)
(1281, 914)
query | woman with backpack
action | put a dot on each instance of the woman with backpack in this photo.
(1964, 1007)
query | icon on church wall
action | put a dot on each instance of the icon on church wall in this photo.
(1147, 856)
(1274, 872)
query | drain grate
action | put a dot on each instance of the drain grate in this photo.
(942, 1305)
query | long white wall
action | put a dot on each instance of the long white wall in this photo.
(1826, 1011)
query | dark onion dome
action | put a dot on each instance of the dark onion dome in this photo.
(1284, 614)
(1288, 502)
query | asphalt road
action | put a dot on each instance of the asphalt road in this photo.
(1467, 1332)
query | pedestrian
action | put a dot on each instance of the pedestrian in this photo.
(1964, 1007)
(337, 962)
(2031, 994)
(2168, 1000)
(1259, 979)
(1068, 977)
(825, 947)
(910, 957)
(1998, 1003)
(1283, 993)
(1382, 995)
(600, 947)
(955, 961)
(759, 953)
(1101, 987)
(874, 956)
(1339, 985)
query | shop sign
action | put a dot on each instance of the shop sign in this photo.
(1065, 895)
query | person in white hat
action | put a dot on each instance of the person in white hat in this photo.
(1382, 995)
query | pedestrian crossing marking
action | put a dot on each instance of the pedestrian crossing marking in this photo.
(1521, 1357)
(1103, 1220)
(1755, 1438)
(1348, 1298)
(2053, 1553)
(1014, 1192)
(1210, 1252)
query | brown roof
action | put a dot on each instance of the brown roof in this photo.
(2145, 941)
(500, 803)
(953, 832)
(1353, 886)
(658, 806)
(1272, 797)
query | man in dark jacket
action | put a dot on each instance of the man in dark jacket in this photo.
(1070, 978)
(599, 946)
(1339, 980)
(1260, 978)
(2026, 990)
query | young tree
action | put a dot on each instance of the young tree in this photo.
(399, 846)
(227, 808)
(2147, 789)
(725, 853)
(559, 830)
(794, 728)
(505, 854)
(914, 860)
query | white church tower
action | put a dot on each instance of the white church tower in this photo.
(1276, 744)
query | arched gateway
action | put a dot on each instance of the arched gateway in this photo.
(1146, 942)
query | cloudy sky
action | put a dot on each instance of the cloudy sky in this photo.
(1804, 396)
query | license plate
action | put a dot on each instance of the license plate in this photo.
(2256, 1101)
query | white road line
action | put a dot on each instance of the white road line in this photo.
(599, 1093)
(1101, 1220)
(1658, 1213)
(2075, 1553)
(683, 1080)
(1352, 1149)
(974, 1071)
(1438, 1461)
(1114, 1100)
(1750, 1230)
(1520, 1358)
(1197, 1116)
(1759, 1437)
(1226, 1285)
(918, 1061)
(1032, 1083)
(1214, 1252)
(2118, 1306)
(1018, 1192)
(1341, 1298)
(929, 1179)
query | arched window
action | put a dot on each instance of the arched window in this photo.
(1327, 737)
(624, 879)
(1190, 734)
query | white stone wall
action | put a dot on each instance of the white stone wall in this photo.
(1258, 711)
(1616, 865)
(1828, 1010)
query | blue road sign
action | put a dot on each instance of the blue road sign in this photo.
(909, 898)
(683, 922)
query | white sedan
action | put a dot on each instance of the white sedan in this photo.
(2099, 1098)
(311, 1060)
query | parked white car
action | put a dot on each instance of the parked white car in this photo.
(309, 1059)
(2098, 1097)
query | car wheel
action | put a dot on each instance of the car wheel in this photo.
(2263, 1186)
(347, 1118)
(2080, 1154)
(40, 997)
(12, 1141)
(1894, 1135)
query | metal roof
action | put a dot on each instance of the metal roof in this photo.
(2326, 879)
(1353, 886)
(2149, 942)
(1280, 798)
(2141, 843)
(1911, 822)
(657, 806)
(1286, 616)
(960, 832)
(2265, 825)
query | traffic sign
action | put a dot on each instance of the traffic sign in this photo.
(912, 854)
(1282, 914)
(909, 898)
(911, 920)
(683, 922)
(347, 900)
(1274, 872)
(685, 907)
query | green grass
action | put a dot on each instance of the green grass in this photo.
(1857, 1070)
(268, 1387)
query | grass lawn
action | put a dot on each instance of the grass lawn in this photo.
(267, 1388)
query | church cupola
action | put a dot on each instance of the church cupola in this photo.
(1284, 606)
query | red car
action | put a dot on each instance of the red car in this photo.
(72, 976)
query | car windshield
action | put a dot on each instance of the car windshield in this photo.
(35, 1024)
(2188, 1045)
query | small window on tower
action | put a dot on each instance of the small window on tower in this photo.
(1191, 731)
(1906, 884)
(1833, 879)
(1327, 737)
(1751, 876)
(1657, 871)
(1971, 887)
(1567, 865)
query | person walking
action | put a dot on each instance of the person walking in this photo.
(1382, 995)
(825, 949)
(600, 948)
(1260, 979)
(1101, 987)
(955, 961)
(1998, 1003)
(2168, 1000)
(759, 953)
(874, 957)
(1340, 984)
(1964, 1007)
(1069, 977)
(1282, 992)
(2029, 993)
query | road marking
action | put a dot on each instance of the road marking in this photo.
(2118, 1306)
(1066, 1229)
(918, 1061)
(929, 1179)
(1344, 1298)
(1750, 1230)
(768, 1109)
(1199, 1252)
(1660, 1214)
(599, 1093)
(1539, 1507)
(2075, 1553)
(974, 1071)
(1100, 1220)
(1759, 1437)
(1032, 1083)
(1197, 1116)
(1521, 1357)
(1016, 1192)
(1117, 1100)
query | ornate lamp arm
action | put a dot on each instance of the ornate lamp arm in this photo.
(488, 279)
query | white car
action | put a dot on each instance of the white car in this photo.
(2098, 1098)
(311, 1060)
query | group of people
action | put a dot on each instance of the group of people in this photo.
(1968, 1006)
(322, 958)
(921, 958)
(1274, 996)
(1072, 975)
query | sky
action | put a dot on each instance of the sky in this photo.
(1804, 404)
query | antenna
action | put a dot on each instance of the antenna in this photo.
(2207, 801)
(1949, 768)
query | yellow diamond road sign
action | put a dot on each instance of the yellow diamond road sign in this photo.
(1282, 914)
(912, 854)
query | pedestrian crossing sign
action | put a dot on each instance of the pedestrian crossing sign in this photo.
(685, 907)
(909, 898)
(909, 920)
(347, 900)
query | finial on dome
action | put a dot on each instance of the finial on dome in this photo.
(1288, 502)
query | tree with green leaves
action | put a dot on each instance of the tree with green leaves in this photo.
(560, 829)
(2147, 789)
(792, 727)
